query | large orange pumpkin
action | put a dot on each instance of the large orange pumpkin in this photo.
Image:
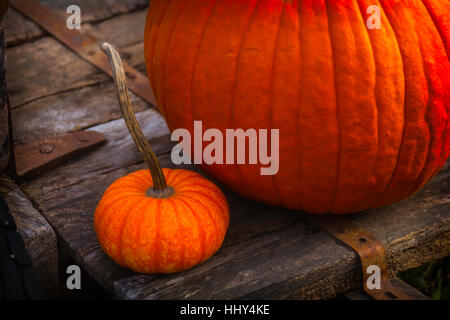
(362, 113)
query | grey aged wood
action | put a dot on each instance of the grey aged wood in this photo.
(268, 252)
(38, 235)
(64, 70)
(21, 30)
(68, 82)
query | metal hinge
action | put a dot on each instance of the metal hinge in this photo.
(372, 253)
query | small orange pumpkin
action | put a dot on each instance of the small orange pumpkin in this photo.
(153, 225)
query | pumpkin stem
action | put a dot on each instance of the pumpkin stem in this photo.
(159, 189)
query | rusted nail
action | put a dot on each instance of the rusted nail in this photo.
(46, 148)
(82, 137)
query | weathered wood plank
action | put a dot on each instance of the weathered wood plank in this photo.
(96, 10)
(117, 153)
(45, 67)
(73, 95)
(38, 235)
(21, 30)
(67, 112)
(121, 31)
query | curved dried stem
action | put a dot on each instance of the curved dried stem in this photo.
(160, 188)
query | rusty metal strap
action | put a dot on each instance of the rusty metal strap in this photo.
(370, 250)
(36, 157)
(85, 45)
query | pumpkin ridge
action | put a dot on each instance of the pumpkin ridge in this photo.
(105, 223)
(192, 184)
(102, 217)
(441, 36)
(152, 54)
(142, 177)
(384, 163)
(213, 201)
(415, 142)
(337, 107)
(152, 16)
(176, 226)
(158, 242)
(201, 231)
(300, 86)
(375, 97)
(271, 88)
(164, 67)
(245, 31)
(443, 153)
(202, 38)
(206, 210)
(140, 230)
(382, 194)
(178, 177)
(120, 245)
(431, 106)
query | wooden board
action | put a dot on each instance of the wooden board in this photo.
(68, 95)
(21, 30)
(38, 235)
(269, 252)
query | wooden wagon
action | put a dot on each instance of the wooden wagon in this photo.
(268, 253)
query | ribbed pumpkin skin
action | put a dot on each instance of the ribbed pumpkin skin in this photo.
(151, 235)
(363, 114)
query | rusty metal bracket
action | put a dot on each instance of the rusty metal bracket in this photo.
(36, 157)
(85, 45)
(370, 250)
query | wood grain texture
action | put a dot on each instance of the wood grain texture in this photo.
(22, 30)
(39, 237)
(69, 111)
(68, 94)
(19, 29)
